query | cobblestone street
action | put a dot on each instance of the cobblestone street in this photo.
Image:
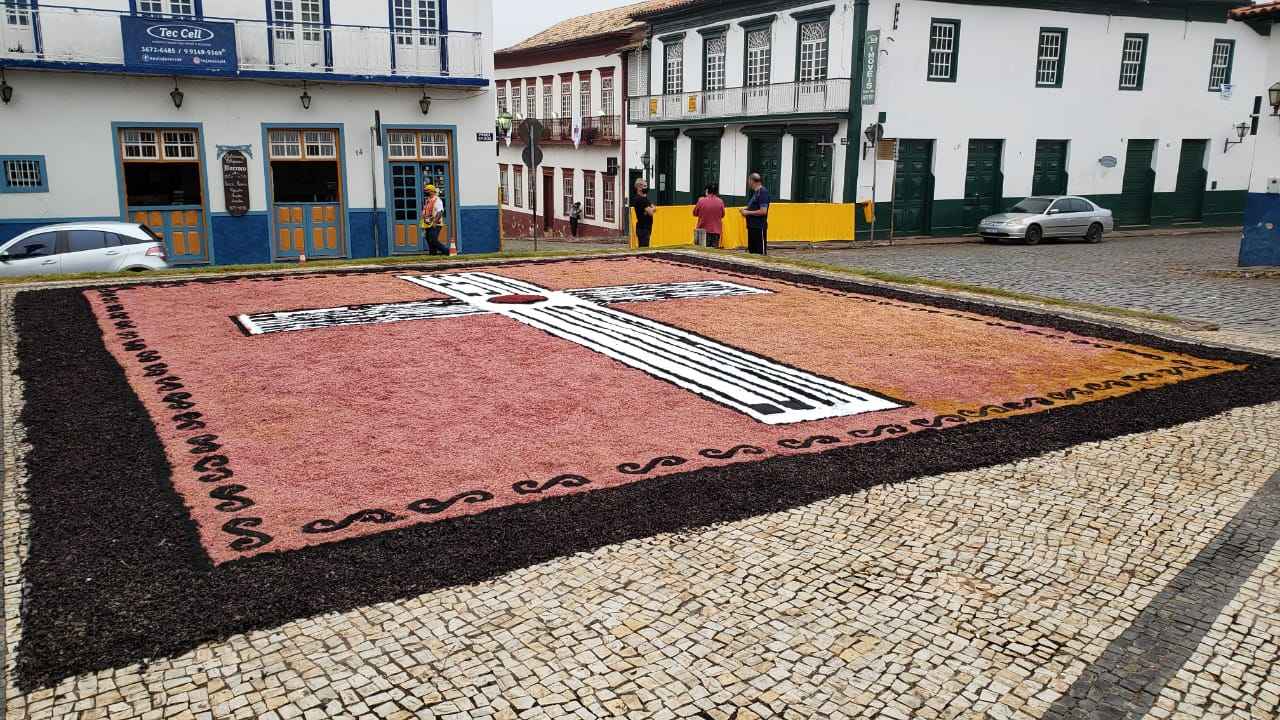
(1137, 577)
(1158, 274)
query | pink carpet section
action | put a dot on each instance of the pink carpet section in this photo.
(324, 424)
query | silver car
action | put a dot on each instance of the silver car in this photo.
(83, 247)
(1048, 216)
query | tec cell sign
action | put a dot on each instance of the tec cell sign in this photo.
(179, 44)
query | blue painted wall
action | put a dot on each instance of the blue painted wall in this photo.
(241, 240)
(360, 234)
(1260, 244)
(478, 229)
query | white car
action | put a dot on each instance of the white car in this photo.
(83, 247)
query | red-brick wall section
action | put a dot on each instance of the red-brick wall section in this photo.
(519, 224)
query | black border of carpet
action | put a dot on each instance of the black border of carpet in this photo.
(116, 575)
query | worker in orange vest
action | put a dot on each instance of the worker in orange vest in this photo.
(433, 220)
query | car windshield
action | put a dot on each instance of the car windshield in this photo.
(1035, 206)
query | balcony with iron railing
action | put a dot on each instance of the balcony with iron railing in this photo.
(811, 97)
(52, 36)
(596, 130)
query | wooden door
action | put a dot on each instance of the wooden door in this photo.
(1138, 185)
(182, 228)
(706, 165)
(548, 205)
(406, 203)
(764, 155)
(1188, 200)
(1050, 175)
(913, 187)
(666, 170)
(983, 182)
(812, 173)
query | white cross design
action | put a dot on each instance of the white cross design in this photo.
(767, 391)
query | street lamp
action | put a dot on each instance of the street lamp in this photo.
(1241, 130)
(176, 96)
(425, 103)
(644, 161)
(1273, 95)
(6, 90)
(503, 122)
(305, 97)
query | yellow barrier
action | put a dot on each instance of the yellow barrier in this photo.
(673, 225)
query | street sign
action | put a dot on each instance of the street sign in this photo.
(484, 137)
(870, 61)
(532, 159)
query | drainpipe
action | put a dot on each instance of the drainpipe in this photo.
(851, 155)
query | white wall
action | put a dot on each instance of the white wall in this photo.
(585, 157)
(996, 97)
(1266, 156)
(67, 118)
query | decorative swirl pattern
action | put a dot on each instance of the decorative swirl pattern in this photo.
(984, 411)
(879, 430)
(247, 539)
(376, 516)
(805, 444)
(715, 454)
(938, 421)
(216, 463)
(203, 444)
(531, 487)
(431, 506)
(232, 500)
(645, 469)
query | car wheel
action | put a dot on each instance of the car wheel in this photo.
(1095, 233)
(1033, 236)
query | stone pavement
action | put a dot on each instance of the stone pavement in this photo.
(1146, 565)
(1160, 274)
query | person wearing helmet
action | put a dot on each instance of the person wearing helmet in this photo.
(433, 220)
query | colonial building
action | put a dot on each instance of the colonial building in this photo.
(573, 71)
(250, 132)
(1134, 104)
(1260, 244)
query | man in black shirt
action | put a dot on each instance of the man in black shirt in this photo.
(644, 212)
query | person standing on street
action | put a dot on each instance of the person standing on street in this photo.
(710, 214)
(575, 216)
(644, 212)
(757, 214)
(433, 221)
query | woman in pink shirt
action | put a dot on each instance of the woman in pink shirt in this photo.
(710, 214)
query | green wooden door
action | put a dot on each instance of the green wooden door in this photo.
(1050, 175)
(812, 174)
(913, 187)
(1188, 196)
(706, 165)
(666, 170)
(764, 155)
(983, 181)
(1134, 205)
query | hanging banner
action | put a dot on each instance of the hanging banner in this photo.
(870, 65)
(179, 44)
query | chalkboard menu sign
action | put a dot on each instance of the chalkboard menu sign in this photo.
(235, 183)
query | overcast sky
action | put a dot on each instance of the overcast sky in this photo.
(515, 20)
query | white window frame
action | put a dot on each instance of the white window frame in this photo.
(1049, 54)
(291, 16)
(433, 145)
(547, 97)
(609, 197)
(715, 52)
(588, 195)
(136, 142)
(517, 97)
(814, 51)
(503, 188)
(531, 99)
(1132, 62)
(944, 36)
(19, 14)
(566, 190)
(517, 186)
(167, 8)
(320, 144)
(584, 95)
(1220, 64)
(566, 96)
(673, 67)
(23, 174)
(416, 19)
(606, 94)
(638, 73)
(760, 57)
(402, 145)
(180, 144)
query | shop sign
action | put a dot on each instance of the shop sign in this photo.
(870, 66)
(235, 183)
(179, 44)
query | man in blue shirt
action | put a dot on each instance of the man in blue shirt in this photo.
(757, 214)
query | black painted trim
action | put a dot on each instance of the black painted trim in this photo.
(756, 23)
(101, 500)
(821, 13)
(714, 30)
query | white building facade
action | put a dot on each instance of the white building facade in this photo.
(249, 132)
(1260, 241)
(574, 72)
(1128, 103)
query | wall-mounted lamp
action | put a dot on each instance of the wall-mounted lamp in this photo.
(305, 97)
(425, 103)
(1273, 95)
(6, 90)
(176, 96)
(1241, 130)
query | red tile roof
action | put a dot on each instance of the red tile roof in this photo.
(1259, 10)
(583, 27)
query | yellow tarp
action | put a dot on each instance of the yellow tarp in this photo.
(673, 225)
